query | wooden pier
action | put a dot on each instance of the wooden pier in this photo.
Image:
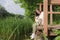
(46, 28)
(51, 29)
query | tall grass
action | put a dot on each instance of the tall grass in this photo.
(14, 28)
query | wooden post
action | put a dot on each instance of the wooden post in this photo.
(45, 6)
(51, 19)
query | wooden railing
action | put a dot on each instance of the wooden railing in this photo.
(45, 9)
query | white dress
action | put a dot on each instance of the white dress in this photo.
(39, 19)
(41, 16)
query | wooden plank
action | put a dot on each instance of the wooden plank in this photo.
(57, 2)
(51, 27)
(48, 4)
(52, 34)
(54, 12)
(54, 26)
(51, 19)
(45, 26)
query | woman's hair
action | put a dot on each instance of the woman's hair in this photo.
(37, 14)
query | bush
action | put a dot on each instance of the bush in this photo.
(14, 28)
(57, 38)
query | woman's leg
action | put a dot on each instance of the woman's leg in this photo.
(34, 27)
(34, 30)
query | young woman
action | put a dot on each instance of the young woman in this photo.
(38, 22)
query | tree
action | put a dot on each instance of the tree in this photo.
(30, 6)
(4, 13)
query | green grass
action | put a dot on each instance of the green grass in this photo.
(14, 27)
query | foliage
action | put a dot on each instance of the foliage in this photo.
(8, 25)
(56, 8)
(18, 26)
(14, 27)
(57, 32)
(30, 6)
(57, 38)
(4, 13)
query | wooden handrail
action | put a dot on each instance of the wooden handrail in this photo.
(48, 4)
(55, 2)
(54, 12)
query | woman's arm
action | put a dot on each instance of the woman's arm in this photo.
(38, 12)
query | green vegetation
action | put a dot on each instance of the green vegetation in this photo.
(31, 5)
(14, 27)
(18, 27)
